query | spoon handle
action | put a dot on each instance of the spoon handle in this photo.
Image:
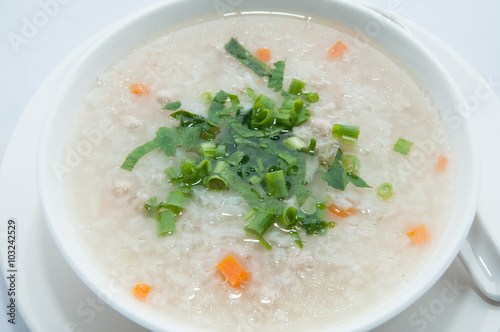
(480, 255)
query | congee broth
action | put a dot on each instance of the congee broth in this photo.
(295, 187)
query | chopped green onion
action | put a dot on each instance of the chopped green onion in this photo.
(351, 163)
(251, 151)
(312, 146)
(152, 207)
(331, 224)
(254, 179)
(289, 159)
(311, 97)
(175, 201)
(276, 184)
(249, 214)
(402, 146)
(250, 93)
(263, 101)
(295, 143)
(173, 173)
(165, 223)
(190, 173)
(384, 191)
(265, 243)
(216, 183)
(205, 166)
(296, 87)
(260, 223)
(219, 166)
(287, 215)
(262, 118)
(347, 134)
(295, 235)
(221, 151)
(208, 149)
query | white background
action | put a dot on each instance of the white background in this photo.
(28, 56)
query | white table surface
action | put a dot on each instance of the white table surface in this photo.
(28, 56)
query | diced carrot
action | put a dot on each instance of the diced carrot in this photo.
(442, 163)
(340, 212)
(232, 270)
(419, 235)
(337, 50)
(139, 89)
(263, 54)
(141, 290)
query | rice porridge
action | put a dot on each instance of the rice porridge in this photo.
(368, 240)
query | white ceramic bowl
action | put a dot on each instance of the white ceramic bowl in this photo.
(136, 28)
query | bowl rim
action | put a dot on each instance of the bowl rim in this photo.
(139, 313)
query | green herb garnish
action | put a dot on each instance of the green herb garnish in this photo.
(251, 151)
(338, 177)
(172, 106)
(234, 48)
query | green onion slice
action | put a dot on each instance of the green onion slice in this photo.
(165, 223)
(288, 215)
(402, 146)
(276, 184)
(260, 223)
(346, 133)
(208, 149)
(295, 143)
(216, 183)
(384, 191)
(351, 163)
(175, 201)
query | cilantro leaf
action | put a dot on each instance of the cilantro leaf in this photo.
(357, 181)
(237, 50)
(172, 106)
(276, 79)
(217, 105)
(338, 177)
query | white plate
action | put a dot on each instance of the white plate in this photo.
(51, 298)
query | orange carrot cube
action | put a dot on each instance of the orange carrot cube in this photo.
(442, 164)
(263, 54)
(139, 89)
(232, 270)
(141, 290)
(337, 50)
(340, 212)
(419, 235)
